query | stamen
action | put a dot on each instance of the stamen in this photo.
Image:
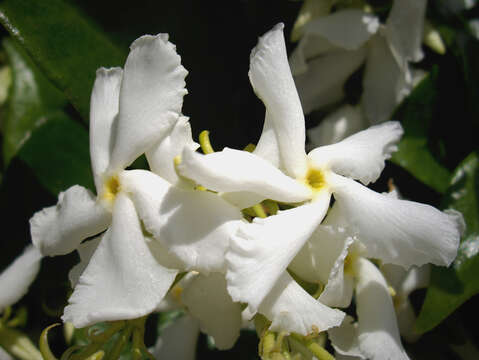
(205, 142)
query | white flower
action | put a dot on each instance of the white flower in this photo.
(336, 45)
(335, 258)
(17, 277)
(279, 169)
(124, 272)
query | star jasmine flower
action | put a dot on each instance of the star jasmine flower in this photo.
(336, 45)
(279, 169)
(131, 110)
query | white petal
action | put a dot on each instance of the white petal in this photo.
(385, 83)
(242, 199)
(345, 121)
(362, 155)
(348, 29)
(202, 243)
(317, 257)
(123, 280)
(59, 229)
(262, 250)
(406, 318)
(323, 83)
(290, 308)
(207, 300)
(394, 274)
(344, 338)
(86, 251)
(378, 330)
(311, 9)
(160, 158)
(151, 97)
(397, 231)
(272, 81)
(310, 46)
(234, 170)
(338, 291)
(103, 113)
(268, 147)
(178, 340)
(417, 278)
(405, 28)
(17, 277)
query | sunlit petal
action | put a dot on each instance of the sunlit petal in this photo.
(151, 97)
(234, 170)
(103, 112)
(123, 280)
(290, 308)
(397, 231)
(360, 156)
(59, 229)
(262, 250)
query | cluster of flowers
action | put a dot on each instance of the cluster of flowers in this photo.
(234, 235)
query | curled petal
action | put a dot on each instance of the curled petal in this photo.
(378, 331)
(17, 277)
(338, 291)
(234, 170)
(105, 100)
(272, 81)
(292, 309)
(59, 229)
(397, 231)
(123, 279)
(161, 157)
(360, 156)
(208, 301)
(344, 338)
(262, 250)
(268, 147)
(151, 97)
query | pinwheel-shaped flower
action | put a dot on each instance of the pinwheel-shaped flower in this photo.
(125, 272)
(336, 45)
(396, 231)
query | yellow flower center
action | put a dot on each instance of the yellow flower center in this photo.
(111, 188)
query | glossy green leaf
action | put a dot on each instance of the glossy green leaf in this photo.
(415, 114)
(58, 154)
(31, 97)
(64, 43)
(451, 287)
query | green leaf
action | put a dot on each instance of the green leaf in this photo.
(65, 45)
(451, 287)
(31, 97)
(58, 154)
(415, 114)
